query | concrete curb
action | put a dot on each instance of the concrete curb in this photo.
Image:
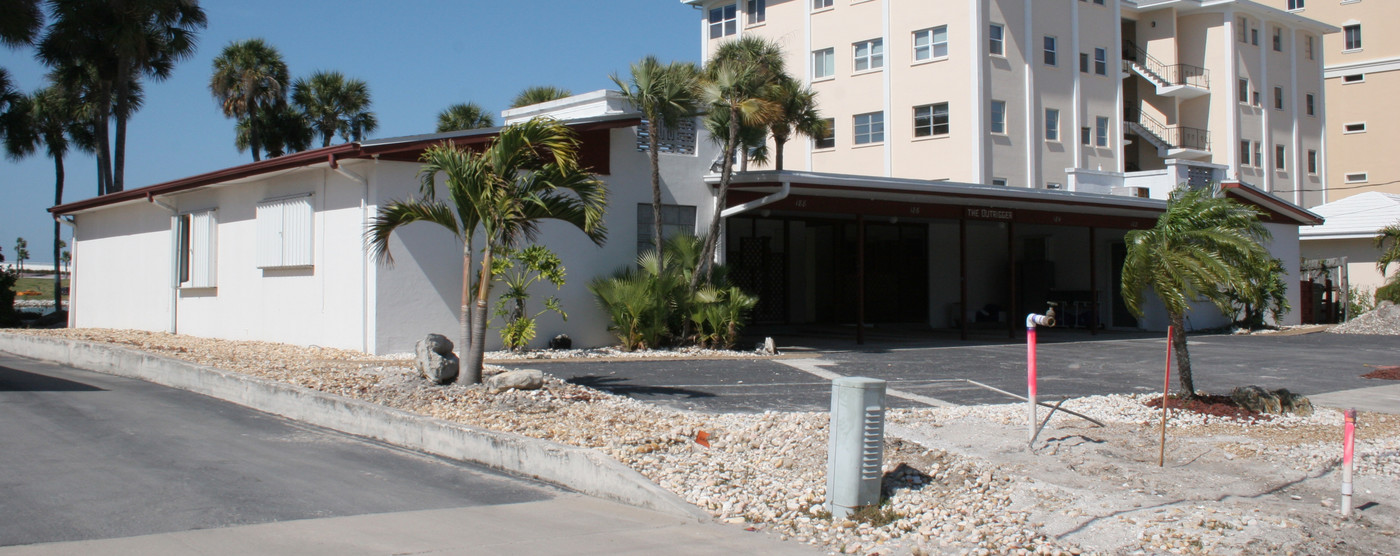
(581, 469)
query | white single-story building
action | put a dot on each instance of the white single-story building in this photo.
(274, 250)
(1350, 231)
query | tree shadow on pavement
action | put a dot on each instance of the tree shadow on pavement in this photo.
(623, 387)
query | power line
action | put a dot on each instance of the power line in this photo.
(1335, 188)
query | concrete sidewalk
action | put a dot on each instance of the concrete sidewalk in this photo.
(572, 524)
(1378, 399)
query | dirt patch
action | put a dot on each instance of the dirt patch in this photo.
(1384, 373)
(1219, 406)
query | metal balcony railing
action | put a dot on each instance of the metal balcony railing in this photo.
(1166, 74)
(1175, 137)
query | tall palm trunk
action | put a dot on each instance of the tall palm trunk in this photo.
(707, 255)
(464, 315)
(123, 102)
(1183, 357)
(57, 235)
(104, 144)
(475, 357)
(654, 143)
(778, 142)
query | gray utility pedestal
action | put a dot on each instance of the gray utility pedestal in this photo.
(857, 452)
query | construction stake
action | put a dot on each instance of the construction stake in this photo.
(1166, 389)
(1348, 438)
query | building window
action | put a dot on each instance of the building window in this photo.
(931, 44)
(1086, 134)
(1101, 131)
(996, 37)
(1353, 36)
(1295, 4)
(869, 128)
(999, 116)
(931, 120)
(284, 232)
(999, 182)
(1356, 177)
(1258, 155)
(1312, 162)
(823, 63)
(1244, 153)
(1278, 98)
(1084, 62)
(1311, 104)
(1050, 51)
(1099, 2)
(197, 232)
(1278, 39)
(821, 4)
(1052, 185)
(724, 21)
(1280, 159)
(677, 138)
(870, 55)
(1311, 56)
(1052, 124)
(827, 141)
(1354, 78)
(1244, 30)
(675, 220)
(1254, 36)
(1101, 61)
(1256, 99)
(1244, 91)
(1358, 127)
(758, 11)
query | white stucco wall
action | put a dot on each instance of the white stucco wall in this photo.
(121, 268)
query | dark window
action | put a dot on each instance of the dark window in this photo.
(1353, 36)
(827, 141)
(931, 120)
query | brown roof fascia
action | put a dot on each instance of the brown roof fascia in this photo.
(956, 195)
(1275, 209)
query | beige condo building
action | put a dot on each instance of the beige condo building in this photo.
(1078, 95)
(1362, 76)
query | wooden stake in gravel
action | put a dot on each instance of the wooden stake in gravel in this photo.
(1166, 389)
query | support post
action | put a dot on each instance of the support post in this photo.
(1093, 282)
(860, 279)
(962, 274)
(1011, 280)
(1166, 389)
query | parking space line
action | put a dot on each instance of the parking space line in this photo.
(814, 367)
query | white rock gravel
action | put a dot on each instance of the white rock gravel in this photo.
(1384, 319)
(959, 480)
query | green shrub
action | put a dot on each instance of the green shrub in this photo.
(1390, 291)
(1359, 302)
(8, 317)
(518, 270)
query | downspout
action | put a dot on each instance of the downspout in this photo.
(364, 254)
(72, 282)
(174, 261)
(767, 200)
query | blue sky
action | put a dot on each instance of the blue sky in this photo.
(417, 56)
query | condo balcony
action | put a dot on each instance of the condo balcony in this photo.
(1171, 141)
(1182, 81)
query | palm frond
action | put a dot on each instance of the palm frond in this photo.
(401, 213)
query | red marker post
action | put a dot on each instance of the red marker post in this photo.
(1348, 438)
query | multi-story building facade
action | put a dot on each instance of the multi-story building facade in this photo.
(1362, 74)
(1084, 95)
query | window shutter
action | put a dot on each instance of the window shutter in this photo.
(285, 232)
(203, 228)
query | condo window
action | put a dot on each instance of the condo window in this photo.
(1243, 30)
(930, 44)
(1084, 62)
(1356, 177)
(1244, 91)
(1278, 98)
(1244, 153)
(821, 4)
(196, 232)
(1354, 78)
(758, 11)
(285, 232)
(1311, 56)
(870, 128)
(1050, 51)
(1101, 61)
(823, 63)
(1052, 124)
(1099, 2)
(1000, 182)
(1312, 162)
(996, 37)
(675, 220)
(1052, 185)
(1101, 131)
(1256, 99)
(1280, 160)
(1086, 134)
(1358, 127)
(931, 120)
(869, 55)
(1278, 39)
(1311, 104)
(1295, 4)
(1254, 36)
(1353, 36)
(998, 116)
(827, 140)
(1258, 155)
(724, 21)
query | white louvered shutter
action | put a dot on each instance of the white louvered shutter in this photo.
(203, 261)
(285, 233)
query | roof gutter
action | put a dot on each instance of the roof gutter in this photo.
(765, 200)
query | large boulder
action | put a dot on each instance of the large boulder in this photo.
(1276, 402)
(434, 359)
(523, 379)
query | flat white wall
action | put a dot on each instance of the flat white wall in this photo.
(121, 268)
(1361, 255)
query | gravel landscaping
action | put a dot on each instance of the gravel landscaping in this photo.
(958, 480)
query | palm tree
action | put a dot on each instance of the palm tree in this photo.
(1388, 241)
(282, 129)
(335, 105)
(797, 113)
(664, 94)
(47, 119)
(249, 76)
(21, 23)
(528, 174)
(121, 42)
(1202, 247)
(460, 116)
(538, 94)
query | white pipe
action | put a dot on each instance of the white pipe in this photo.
(364, 254)
(1034, 319)
(767, 200)
(174, 262)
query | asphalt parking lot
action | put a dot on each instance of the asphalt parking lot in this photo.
(1071, 364)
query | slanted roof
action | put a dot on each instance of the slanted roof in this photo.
(1276, 210)
(406, 148)
(1357, 216)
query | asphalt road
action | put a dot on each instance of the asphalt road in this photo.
(1071, 364)
(91, 456)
